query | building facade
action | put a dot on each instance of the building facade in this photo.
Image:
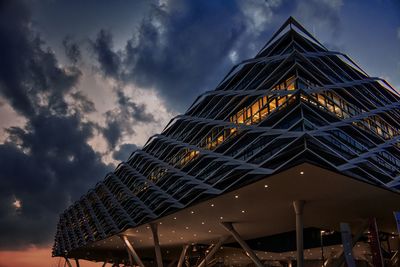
(295, 102)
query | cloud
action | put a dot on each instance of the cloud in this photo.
(30, 78)
(325, 14)
(45, 165)
(121, 120)
(82, 103)
(124, 151)
(398, 33)
(258, 14)
(48, 162)
(174, 50)
(109, 60)
(71, 49)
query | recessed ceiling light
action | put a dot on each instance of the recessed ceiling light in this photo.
(173, 231)
(174, 218)
(194, 234)
(301, 172)
(181, 237)
(221, 218)
(266, 186)
(243, 211)
(192, 212)
(147, 227)
(160, 222)
(202, 222)
(209, 231)
(212, 205)
(236, 196)
(187, 227)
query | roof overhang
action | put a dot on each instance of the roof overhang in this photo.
(263, 208)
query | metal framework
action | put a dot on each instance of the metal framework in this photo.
(294, 102)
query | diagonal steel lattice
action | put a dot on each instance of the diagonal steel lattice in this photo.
(294, 102)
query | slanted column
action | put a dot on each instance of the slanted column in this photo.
(213, 250)
(154, 230)
(183, 254)
(131, 250)
(77, 262)
(298, 208)
(68, 262)
(249, 252)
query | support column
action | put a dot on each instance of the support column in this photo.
(77, 262)
(68, 262)
(249, 252)
(131, 260)
(154, 230)
(298, 208)
(183, 254)
(104, 264)
(212, 252)
(131, 250)
(340, 260)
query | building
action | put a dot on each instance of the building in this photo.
(290, 144)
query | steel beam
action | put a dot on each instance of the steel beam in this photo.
(298, 208)
(213, 250)
(182, 256)
(249, 252)
(154, 230)
(131, 250)
(356, 238)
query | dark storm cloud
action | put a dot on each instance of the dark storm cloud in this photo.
(120, 121)
(72, 50)
(51, 165)
(179, 51)
(46, 163)
(109, 61)
(124, 151)
(29, 73)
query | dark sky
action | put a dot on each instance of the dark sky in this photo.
(84, 83)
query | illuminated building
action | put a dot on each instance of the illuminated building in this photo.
(295, 124)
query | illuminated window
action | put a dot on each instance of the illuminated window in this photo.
(272, 105)
(342, 109)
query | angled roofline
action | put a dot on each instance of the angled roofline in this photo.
(289, 22)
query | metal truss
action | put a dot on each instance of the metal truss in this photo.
(294, 102)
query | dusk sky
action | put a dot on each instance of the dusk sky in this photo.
(85, 83)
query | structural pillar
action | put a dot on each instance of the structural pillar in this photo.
(131, 250)
(68, 262)
(249, 252)
(214, 250)
(298, 208)
(154, 230)
(182, 256)
(77, 262)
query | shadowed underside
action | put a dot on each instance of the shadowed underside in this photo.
(295, 102)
